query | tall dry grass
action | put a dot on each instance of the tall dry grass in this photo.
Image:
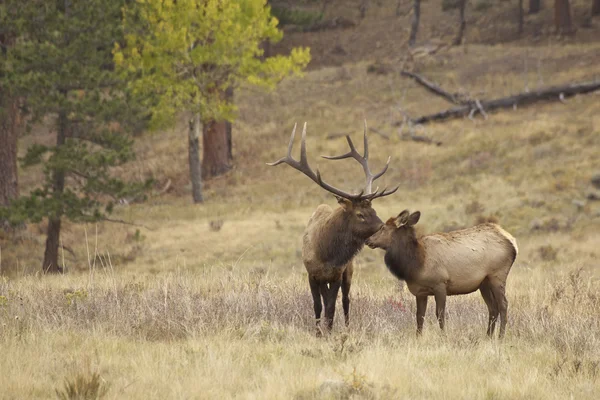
(238, 334)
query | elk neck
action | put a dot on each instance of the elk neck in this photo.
(406, 255)
(337, 244)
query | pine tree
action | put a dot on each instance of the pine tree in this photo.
(9, 132)
(187, 55)
(61, 65)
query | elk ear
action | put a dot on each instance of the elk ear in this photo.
(344, 203)
(402, 218)
(414, 218)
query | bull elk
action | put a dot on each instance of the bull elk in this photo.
(447, 264)
(333, 237)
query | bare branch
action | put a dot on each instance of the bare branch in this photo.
(120, 221)
(433, 88)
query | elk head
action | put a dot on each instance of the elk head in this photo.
(356, 207)
(399, 230)
(361, 217)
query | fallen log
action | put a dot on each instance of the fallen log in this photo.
(433, 88)
(552, 93)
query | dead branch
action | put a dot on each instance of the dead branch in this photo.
(421, 138)
(380, 133)
(120, 221)
(553, 93)
(433, 88)
(165, 189)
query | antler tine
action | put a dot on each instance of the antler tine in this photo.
(303, 166)
(384, 193)
(366, 141)
(352, 153)
(303, 159)
(288, 156)
(363, 161)
(384, 170)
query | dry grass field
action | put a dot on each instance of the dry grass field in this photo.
(212, 301)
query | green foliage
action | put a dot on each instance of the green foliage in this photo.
(78, 295)
(61, 65)
(185, 54)
(290, 16)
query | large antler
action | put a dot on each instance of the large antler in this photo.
(303, 166)
(363, 160)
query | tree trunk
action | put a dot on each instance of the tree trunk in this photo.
(535, 6)
(265, 45)
(399, 8)
(9, 135)
(595, 7)
(362, 8)
(414, 28)
(521, 16)
(50, 264)
(229, 125)
(215, 149)
(194, 158)
(462, 23)
(562, 17)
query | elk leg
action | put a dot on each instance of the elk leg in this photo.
(421, 308)
(502, 304)
(488, 297)
(330, 297)
(346, 283)
(440, 306)
(316, 295)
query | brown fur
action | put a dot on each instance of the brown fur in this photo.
(331, 240)
(446, 264)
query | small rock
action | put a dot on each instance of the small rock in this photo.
(578, 203)
(339, 50)
(379, 68)
(216, 225)
(593, 195)
(536, 224)
(596, 180)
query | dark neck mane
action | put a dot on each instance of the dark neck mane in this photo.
(405, 256)
(336, 244)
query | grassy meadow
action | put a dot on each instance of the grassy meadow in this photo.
(212, 301)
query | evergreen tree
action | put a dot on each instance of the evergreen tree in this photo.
(187, 55)
(9, 131)
(61, 65)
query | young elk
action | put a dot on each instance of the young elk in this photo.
(446, 264)
(333, 237)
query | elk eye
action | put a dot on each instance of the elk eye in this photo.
(360, 216)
